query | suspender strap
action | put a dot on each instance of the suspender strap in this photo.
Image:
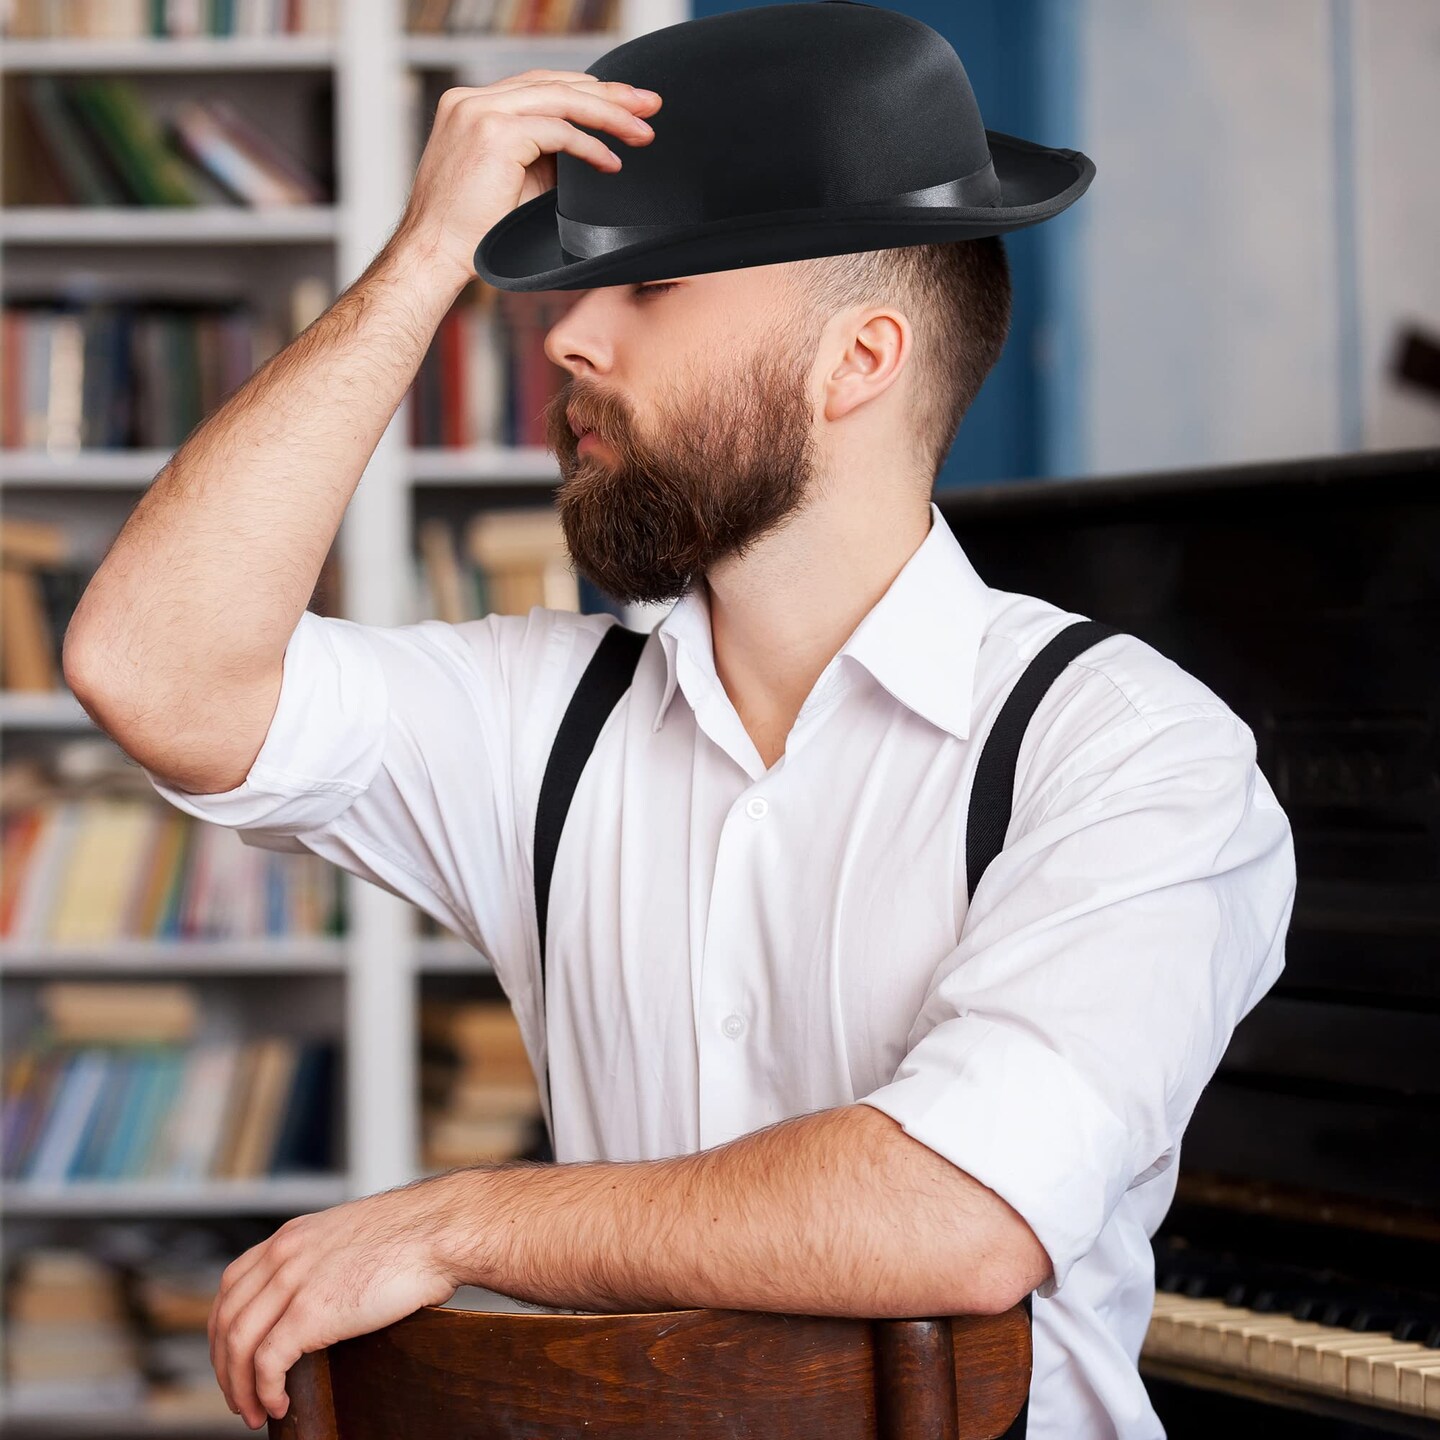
(992, 796)
(993, 792)
(605, 679)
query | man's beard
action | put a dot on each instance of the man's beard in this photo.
(645, 518)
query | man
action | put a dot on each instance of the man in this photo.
(792, 1068)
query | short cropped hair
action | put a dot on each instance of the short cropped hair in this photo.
(956, 295)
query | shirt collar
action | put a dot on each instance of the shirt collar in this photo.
(920, 640)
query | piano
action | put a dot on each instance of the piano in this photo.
(1298, 1271)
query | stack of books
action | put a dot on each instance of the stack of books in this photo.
(172, 1294)
(480, 1102)
(114, 1085)
(95, 869)
(486, 378)
(165, 19)
(40, 585)
(41, 581)
(511, 17)
(68, 1343)
(119, 1323)
(96, 141)
(116, 375)
(511, 560)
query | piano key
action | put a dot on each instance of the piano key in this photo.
(1224, 1338)
(1215, 1335)
(1162, 1333)
(1413, 1384)
(1310, 1351)
(1333, 1363)
(1266, 1352)
(1416, 1390)
(1385, 1382)
(1280, 1355)
(1189, 1331)
(1423, 1329)
(1362, 1371)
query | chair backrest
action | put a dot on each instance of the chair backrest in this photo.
(445, 1373)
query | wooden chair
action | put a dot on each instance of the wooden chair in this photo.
(444, 1374)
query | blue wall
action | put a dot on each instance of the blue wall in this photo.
(1020, 57)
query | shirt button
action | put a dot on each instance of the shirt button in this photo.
(757, 807)
(733, 1026)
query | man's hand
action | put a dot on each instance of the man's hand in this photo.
(321, 1278)
(493, 147)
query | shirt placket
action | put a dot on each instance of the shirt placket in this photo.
(732, 981)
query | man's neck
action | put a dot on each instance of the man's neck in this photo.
(779, 614)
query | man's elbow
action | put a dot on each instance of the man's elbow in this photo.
(1008, 1262)
(1019, 1268)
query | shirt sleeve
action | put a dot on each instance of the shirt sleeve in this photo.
(406, 755)
(1108, 953)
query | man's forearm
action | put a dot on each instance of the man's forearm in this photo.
(210, 574)
(834, 1213)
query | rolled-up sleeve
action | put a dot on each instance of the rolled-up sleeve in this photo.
(1108, 953)
(396, 753)
(324, 745)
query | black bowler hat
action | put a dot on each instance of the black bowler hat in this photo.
(786, 132)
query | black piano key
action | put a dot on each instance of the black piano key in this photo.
(1412, 1330)
(1271, 1301)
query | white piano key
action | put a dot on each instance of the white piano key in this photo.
(1162, 1334)
(1385, 1382)
(1412, 1383)
(1361, 1370)
(1280, 1355)
(1311, 1350)
(1333, 1363)
(1246, 1349)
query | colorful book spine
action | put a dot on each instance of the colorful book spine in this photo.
(85, 872)
(213, 1109)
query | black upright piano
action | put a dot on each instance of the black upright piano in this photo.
(1298, 1271)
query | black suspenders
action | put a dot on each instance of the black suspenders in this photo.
(608, 676)
(993, 793)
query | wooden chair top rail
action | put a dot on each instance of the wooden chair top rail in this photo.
(445, 1373)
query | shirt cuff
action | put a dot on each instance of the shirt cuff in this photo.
(324, 745)
(1020, 1119)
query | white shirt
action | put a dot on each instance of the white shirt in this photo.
(730, 945)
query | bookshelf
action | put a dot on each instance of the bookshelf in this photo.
(55, 225)
(375, 85)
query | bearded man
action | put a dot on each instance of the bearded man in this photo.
(792, 1064)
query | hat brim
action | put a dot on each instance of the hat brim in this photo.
(523, 251)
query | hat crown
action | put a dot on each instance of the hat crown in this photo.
(783, 107)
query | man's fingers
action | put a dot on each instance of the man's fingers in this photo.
(231, 1276)
(245, 1334)
(290, 1337)
(601, 111)
(573, 77)
(247, 1319)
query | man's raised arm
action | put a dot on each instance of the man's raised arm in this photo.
(177, 645)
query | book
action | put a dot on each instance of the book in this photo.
(242, 1108)
(129, 137)
(250, 168)
(106, 867)
(524, 558)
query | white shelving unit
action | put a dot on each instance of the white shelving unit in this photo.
(374, 69)
(202, 225)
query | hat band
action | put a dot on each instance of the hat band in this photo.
(978, 190)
